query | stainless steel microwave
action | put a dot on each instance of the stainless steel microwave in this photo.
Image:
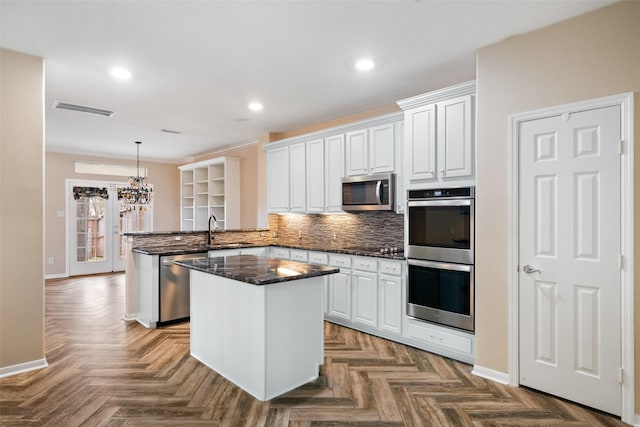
(369, 192)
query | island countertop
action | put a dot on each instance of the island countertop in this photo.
(256, 270)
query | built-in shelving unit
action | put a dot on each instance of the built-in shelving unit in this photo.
(210, 188)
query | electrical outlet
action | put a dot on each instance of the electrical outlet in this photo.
(177, 238)
(51, 260)
(335, 236)
(263, 234)
(299, 234)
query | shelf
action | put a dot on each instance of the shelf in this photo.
(217, 179)
(217, 195)
(187, 183)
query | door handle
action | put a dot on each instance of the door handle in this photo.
(528, 269)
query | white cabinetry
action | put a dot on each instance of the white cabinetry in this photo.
(304, 173)
(390, 297)
(364, 280)
(340, 287)
(209, 188)
(321, 258)
(315, 176)
(297, 178)
(278, 179)
(439, 137)
(370, 151)
(334, 168)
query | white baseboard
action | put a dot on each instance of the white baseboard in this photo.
(23, 367)
(490, 374)
(56, 276)
(129, 317)
(636, 422)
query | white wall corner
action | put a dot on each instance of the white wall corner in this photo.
(490, 374)
(23, 367)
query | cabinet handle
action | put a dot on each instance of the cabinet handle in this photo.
(442, 172)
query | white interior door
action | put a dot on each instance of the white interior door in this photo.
(97, 220)
(569, 257)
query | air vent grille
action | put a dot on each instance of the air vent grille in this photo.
(176, 132)
(83, 109)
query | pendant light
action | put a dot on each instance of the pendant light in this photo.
(138, 192)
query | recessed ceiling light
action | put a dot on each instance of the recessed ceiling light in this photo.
(255, 106)
(365, 64)
(121, 73)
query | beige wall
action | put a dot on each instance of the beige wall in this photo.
(21, 208)
(60, 167)
(591, 56)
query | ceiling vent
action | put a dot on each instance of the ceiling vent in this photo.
(175, 132)
(83, 109)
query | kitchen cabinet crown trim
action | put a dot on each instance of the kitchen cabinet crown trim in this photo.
(349, 127)
(439, 95)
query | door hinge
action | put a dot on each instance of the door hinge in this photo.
(621, 146)
(621, 375)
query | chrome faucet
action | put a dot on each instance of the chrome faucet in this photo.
(215, 225)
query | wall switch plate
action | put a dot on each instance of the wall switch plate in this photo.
(263, 234)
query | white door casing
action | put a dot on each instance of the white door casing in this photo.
(571, 324)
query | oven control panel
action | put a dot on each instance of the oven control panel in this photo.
(437, 193)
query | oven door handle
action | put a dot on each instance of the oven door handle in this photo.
(440, 265)
(456, 202)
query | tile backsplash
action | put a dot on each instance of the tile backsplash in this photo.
(365, 229)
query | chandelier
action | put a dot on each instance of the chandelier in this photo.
(138, 192)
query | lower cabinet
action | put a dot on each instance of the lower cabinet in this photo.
(365, 298)
(390, 304)
(340, 294)
(368, 294)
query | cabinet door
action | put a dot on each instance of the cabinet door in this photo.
(365, 298)
(420, 143)
(401, 195)
(297, 178)
(390, 303)
(340, 294)
(357, 153)
(455, 125)
(382, 149)
(278, 179)
(334, 167)
(315, 176)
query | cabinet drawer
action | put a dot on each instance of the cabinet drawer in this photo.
(343, 261)
(318, 258)
(392, 268)
(281, 253)
(365, 264)
(297, 255)
(434, 335)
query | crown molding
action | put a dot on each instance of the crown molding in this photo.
(461, 89)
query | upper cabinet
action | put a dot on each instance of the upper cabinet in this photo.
(278, 179)
(439, 143)
(210, 188)
(370, 151)
(304, 174)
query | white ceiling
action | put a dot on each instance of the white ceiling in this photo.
(197, 64)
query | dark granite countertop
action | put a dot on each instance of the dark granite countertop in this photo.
(170, 233)
(256, 270)
(173, 249)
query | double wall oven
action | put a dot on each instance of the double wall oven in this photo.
(440, 256)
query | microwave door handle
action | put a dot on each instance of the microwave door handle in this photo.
(378, 191)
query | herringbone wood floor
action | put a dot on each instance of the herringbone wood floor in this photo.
(104, 371)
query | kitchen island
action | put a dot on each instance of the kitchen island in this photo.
(258, 321)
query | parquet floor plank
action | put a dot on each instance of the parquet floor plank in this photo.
(104, 371)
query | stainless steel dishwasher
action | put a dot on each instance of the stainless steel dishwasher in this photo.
(174, 289)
